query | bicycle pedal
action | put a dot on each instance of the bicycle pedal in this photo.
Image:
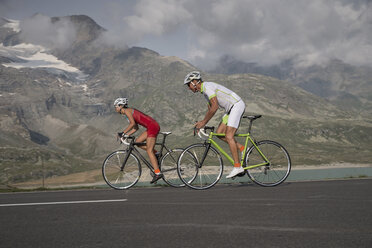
(241, 174)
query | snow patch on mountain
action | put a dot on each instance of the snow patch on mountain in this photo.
(12, 24)
(34, 56)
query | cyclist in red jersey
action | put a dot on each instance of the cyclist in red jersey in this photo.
(135, 118)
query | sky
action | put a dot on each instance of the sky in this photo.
(202, 31)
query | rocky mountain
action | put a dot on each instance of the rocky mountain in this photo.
(59, 115)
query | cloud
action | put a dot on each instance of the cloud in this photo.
(262, 31)
(147, 18)
(39, 29)
(267, 32)
(157, 17)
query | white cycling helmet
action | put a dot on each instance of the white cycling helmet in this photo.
(121, 101)
(191, 76)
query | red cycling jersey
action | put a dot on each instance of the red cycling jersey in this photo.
(146, 121)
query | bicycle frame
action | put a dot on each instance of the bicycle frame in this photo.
(248, 138)
(132, 148)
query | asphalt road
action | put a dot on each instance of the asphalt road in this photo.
(301, 214)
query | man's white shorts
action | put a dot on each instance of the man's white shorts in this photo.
(236, 113)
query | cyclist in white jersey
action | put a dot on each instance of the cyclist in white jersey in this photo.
(220, 96)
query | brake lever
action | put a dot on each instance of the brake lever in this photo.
(195, 132)
(118, 137)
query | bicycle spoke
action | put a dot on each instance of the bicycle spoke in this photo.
(119, 163)
(196, 157)
(118, 178)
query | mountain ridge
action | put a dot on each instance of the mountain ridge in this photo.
(333, 81)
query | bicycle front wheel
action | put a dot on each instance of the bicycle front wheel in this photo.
(198, 174)
(116, 176)
(278, 167)
(168, 166)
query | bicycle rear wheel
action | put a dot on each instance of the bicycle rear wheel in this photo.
(279, 163)
(168, 167)
(198, 176)
(118, 178)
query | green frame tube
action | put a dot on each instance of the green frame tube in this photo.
(228, 157)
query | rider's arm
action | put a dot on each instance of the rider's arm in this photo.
(212, 109)
(132, 127)
(133, 130)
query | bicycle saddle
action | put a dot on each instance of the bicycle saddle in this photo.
(252, 117)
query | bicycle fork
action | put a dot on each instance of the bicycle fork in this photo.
(208, 146)
(129, 151)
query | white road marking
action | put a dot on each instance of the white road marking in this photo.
(60, 203)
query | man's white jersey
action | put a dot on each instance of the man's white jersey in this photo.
(225, 97)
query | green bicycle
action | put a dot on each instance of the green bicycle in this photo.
(200, 166)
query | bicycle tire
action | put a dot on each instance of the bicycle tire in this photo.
(168, 167)
(118, 178)
(194, 176)
(276, 172)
